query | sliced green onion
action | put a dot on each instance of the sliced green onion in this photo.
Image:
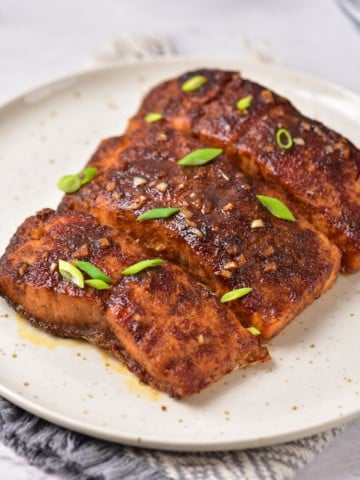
(244, 103)
(276, 207)
(138, 267)
(158, 213)
(193, 83)
(254, 331)
(71, 273)
(234, 294)
(199, 157)
(153, 117)
(97, 284)
(93, 272)
(72, 183)
(69, 183)
(284, 138)
(87, 174)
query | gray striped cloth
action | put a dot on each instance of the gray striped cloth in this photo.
(77, 456)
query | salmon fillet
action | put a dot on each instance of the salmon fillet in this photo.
(287, 264)
(169, 330)
(319, 173)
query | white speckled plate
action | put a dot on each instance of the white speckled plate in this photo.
(313, 382)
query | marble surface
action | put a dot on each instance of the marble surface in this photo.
(43, 39)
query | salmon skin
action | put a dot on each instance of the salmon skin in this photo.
(318, 170)
(169, 330)
(222, 235)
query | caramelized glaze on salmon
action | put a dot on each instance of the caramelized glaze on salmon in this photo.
(167, 323)
(287, 264)
(319, 173)
(169, 330)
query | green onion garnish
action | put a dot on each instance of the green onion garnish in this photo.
(199, 157)
(254, 331)
(234, 294)
(244, 103)
(193, 83)
(71, 273)
(72, 183)
(276, 207)
(87, 174)
(284, 138)
(138, 267)
(158, 213)
(97, 284)
(69, 183)
(153, 117)
(93, 272)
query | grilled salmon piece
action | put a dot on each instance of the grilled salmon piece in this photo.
(168, 329)
(181, 109)
(319, 172)
(30, 280)
(178, 332)
(222, 235)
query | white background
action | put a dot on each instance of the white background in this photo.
(44, 39)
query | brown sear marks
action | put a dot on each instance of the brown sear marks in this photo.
(218, 248)
(327, 192)
(151, 321)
